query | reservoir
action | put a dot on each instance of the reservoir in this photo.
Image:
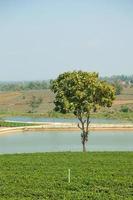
(56, 141)
(71, 120)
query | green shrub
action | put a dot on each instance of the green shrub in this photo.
(124, 109)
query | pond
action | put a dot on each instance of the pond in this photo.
(54, 141)
(42, 119)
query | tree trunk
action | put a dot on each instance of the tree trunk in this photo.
(84, 147)
(84, 134)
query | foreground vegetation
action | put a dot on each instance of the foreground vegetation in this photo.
(44, 176)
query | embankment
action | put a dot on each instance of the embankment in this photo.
(51, 126)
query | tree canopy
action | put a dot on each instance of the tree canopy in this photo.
(81, 93)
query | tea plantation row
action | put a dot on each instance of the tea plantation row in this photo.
(44, 176)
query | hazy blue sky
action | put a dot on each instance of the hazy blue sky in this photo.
(41, 38)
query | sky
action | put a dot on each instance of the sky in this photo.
(39, 39)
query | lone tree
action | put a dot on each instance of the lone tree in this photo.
(81, 93)
(34, 103)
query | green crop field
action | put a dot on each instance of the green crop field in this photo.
(44, 176)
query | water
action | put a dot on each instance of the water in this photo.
(55, 141)
(41, 119)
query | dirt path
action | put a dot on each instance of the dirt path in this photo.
(122, 102)
(66, 127)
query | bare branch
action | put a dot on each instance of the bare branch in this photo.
(84, 121)
(79, 126)
(87, 123)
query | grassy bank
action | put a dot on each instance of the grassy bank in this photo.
(14, 124)
(123, 116)
(44, 176)
(104, 115)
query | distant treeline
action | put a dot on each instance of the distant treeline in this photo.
(28, 85)
(120, 81)
(120, 78)
(38, 85)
